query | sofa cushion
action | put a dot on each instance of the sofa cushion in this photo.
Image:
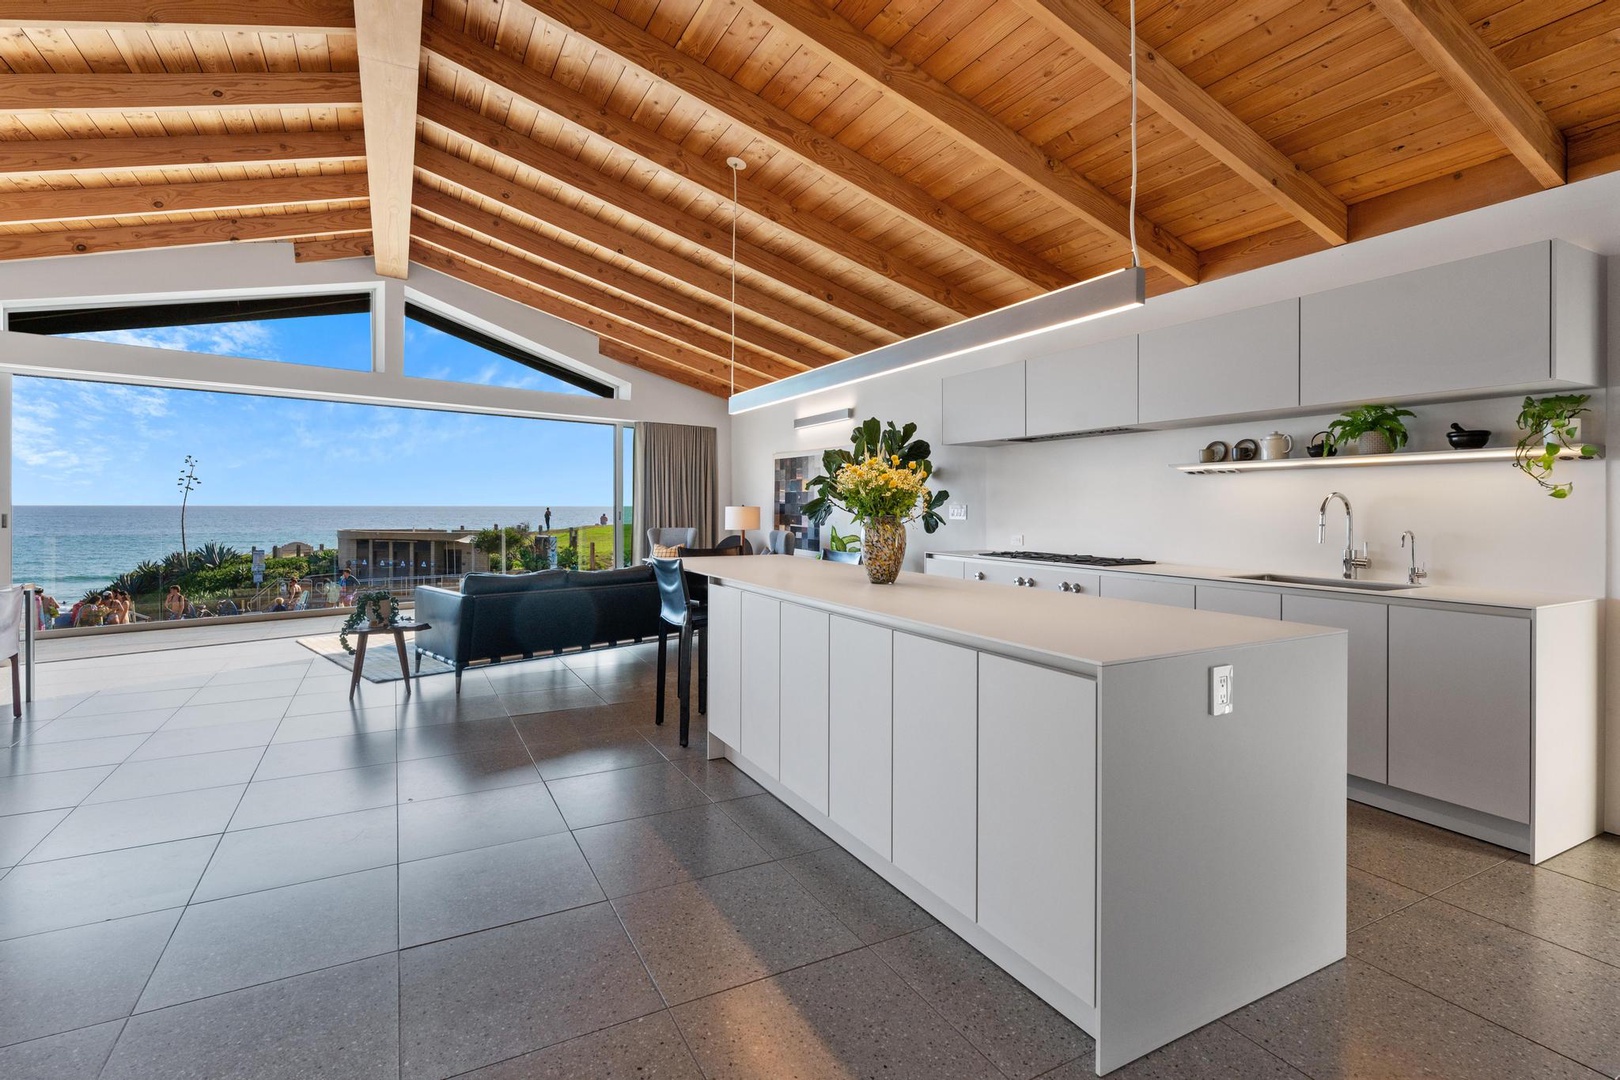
(482, 584)
(629, 575)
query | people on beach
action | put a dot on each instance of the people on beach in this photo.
(90, 612)
(295, 593)
(348, 586)
(280, 604)
(175, 604)
(548, 519)
(332, 593)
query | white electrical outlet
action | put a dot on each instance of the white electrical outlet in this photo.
(1018, 540)
(958, 512)
(1220, 690)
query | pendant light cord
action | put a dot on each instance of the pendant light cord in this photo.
(737, 165)
(1134, 259)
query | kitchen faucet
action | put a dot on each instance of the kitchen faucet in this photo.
(1414, 573)
(1352, 561)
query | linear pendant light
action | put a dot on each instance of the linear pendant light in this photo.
(1095, 298)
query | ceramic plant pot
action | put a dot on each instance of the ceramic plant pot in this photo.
(387, 608)
(1373, 442)
(884, 549)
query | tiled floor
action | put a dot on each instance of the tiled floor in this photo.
(211, 866)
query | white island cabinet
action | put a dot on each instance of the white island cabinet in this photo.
(1046, 773)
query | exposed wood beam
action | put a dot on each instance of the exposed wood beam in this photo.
(48, 156)
(796, 138)
(532, 204)
(502, 140)
(354, 246)
(263, 16)
(1445, 39)
(782, 357)
(886, 72)
(71, 204)
(516, 78)
(1088, 28)
(388, 38)
(1594, 153)
(138, 93)
(40, 245)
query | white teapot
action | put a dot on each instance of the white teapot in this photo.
(1276, 445)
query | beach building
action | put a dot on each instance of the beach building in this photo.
(293, 550)
(388, 556)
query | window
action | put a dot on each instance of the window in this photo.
(440, 348)
(332, 331)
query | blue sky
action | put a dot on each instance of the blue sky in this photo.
(105, 444)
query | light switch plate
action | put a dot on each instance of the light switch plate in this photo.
(1220, 690)
(958, 512)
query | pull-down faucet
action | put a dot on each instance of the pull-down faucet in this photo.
(1352, 561)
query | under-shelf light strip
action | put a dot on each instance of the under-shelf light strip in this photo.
(1420, 457)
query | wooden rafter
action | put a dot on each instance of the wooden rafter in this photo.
(40, 245)
(266, 16)
(1088, 28)
(626, 199)
(532, 204)
(31, 207)
(221, 90)
(51, 156)
(886, 72)
(1445, 39)
(324, 249)
(793, 136)
(389, 42)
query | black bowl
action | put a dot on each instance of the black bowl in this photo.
(1461, 439)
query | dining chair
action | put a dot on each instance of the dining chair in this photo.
(690, 618)
(783, 542)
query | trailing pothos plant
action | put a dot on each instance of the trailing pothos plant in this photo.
(1550, 425)
(375, 607)
(876, 446)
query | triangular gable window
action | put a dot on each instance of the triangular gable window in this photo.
(441, 348)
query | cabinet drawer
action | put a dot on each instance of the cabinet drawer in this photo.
(1257, 603)
(1146, 591)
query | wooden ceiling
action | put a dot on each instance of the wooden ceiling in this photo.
(909, 162)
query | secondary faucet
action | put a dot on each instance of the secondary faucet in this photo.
(1414, 573)
(1352, 561)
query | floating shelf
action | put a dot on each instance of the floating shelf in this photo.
(1419, 457)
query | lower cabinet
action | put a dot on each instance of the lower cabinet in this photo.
(1368, 715)
(946, 567)
(1038, 817)
(860, 731)
(804, 703)
(761, 684)
(725, 676)
(1459, 708)
(936, 719)
(1147, 591)
(1257, 603)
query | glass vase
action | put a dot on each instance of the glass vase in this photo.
(883, 549)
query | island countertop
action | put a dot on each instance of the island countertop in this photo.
(1083, 632)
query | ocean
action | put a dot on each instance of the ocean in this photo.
(69, 549)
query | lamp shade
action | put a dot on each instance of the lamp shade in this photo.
(742, 517)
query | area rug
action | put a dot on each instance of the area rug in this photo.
(382, 659)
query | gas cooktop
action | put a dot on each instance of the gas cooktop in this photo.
(1074, 560)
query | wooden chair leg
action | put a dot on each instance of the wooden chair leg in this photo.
(16, 689)
(663, 649)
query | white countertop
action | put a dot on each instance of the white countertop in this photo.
(1086, 630)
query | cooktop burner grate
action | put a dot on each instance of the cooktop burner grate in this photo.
(1073, 560)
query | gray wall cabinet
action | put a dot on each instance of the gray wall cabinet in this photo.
(1245, 362)
(984, 406)
(1088, 389)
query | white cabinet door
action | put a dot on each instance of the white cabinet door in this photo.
(1258, 603)
(804, 703)
(944, 567)
(1038, 817)
(1168, 593)
(1459, 708)
(1085, 389)
(725, 656)
(761, 672)
(935, 767)
(1244, 362)
(984, 406)
(860, 730)
(1368, 718)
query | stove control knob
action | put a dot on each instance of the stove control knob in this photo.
(1064, 587)
(1030, 582)
(978, 575)
(1018, 580)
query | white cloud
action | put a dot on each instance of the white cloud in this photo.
(254, 340)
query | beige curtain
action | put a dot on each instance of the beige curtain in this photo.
(676, 481)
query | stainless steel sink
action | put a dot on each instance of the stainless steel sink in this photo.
(1328, 583)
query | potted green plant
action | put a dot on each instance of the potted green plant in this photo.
(376, 608)
(1550, 426)
(842, 547)
(1375, 429)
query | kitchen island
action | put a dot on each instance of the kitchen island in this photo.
(1053, 778)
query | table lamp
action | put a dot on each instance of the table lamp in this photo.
(741, 519)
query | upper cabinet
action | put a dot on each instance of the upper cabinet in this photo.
(1086, 389)
(1517, 320)
(1241, 363)
(984, 406)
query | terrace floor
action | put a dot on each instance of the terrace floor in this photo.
(218, 868)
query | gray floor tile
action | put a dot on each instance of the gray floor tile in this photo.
(20, 832)
(873, 909)
(774, 827)
(649, 1047)
(1503, 975)
(1351, 1021)
(49, 791)
(271, 802)
(438, 711)
(335, 699)
(491, 886)
(1597, 861)
(1369, 898)
(665, 849)
(267, 858)
(293, 673)
(530, 703)
(167, 744)
(719, 779)
(597, 798)
(34, 757)
(241, 941)
(1567, 911)
(1213, 1052)
(1413, 854)
(463, 822)
(337, 1024)
(218, 692)
(74, 978)
(101, 727)
(576, 749)
(164, 776)
(624, 687)
(849, 1016)
(1021, 1034)
(462, 737)
(326, 755)
(156, 819)
(461, 774)
(333, 724)
(233, 712)
(72, 1055)
(475, 1000)
(532, 677)
(91, 888)
(704, 936)
(122, 701)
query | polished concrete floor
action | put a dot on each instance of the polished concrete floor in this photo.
(218, 868)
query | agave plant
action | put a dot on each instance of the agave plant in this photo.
(177, 562)
(872, 439)
(212, 556)
(146, 576)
